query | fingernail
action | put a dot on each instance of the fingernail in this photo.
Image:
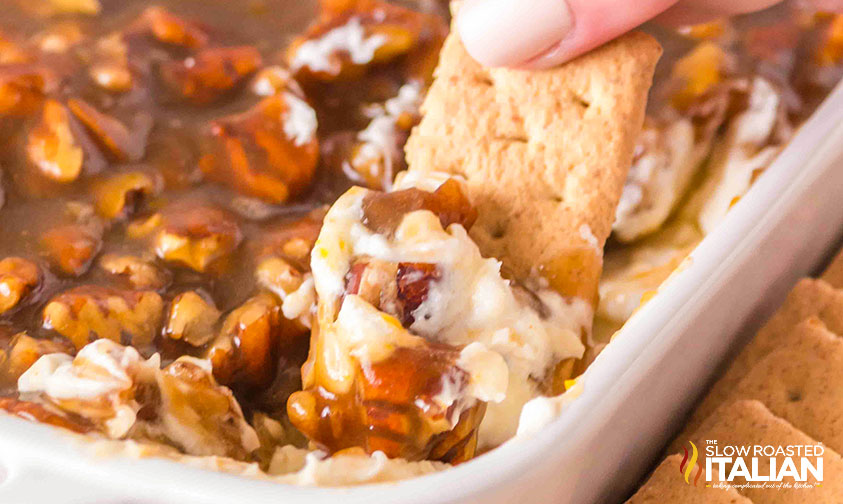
(510, 32)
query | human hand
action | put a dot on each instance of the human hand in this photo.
(544, 33)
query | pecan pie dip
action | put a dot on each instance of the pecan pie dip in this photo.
(213, 248)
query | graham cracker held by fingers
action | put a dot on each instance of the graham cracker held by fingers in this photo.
(810, 298)
(667, 484)
(545, 153)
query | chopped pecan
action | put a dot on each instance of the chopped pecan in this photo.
(697, 72)
(102, 384)
(11, 52)
(24, 350)
(136, 272)
(279, 276)
(211, 73)
(181, 404)
(270, 151)
(121, 143)
(42, 413)
(171, 29)
(413, 281)
(120, 195)
(373, 165)
(383, 212)
(144, 226)
(716, 29)
(197, 236)
(394, 408)
(175, 156)
(830, 50)
(60, 38)
(89, 312)
(89, 7)
(192, 319)
(354, 278)
(351, 34)
(377, 154)
(374, 281)
(23, 86)
(72, 247)
(274, 80)
(111, 70)
(200, 416)
(291, 240)
(18, 279)
(394, 288)
(246, 351)
(52, 146)
(370, 164)
(272, 434)
(284, 265)
(112, 77)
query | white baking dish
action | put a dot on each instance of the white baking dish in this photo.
(633, 394)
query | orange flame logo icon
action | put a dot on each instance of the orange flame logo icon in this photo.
(686, 467)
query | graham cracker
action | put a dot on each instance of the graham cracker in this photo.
(545, 153)
(810, 298)
(667, 484)
(751, 423)
(800, 383)
(834, 273)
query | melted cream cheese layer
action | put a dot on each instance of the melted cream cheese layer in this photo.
(509, 347)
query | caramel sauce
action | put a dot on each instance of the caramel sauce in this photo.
(138, 164)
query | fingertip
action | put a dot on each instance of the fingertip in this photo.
(508, 33)
(539, 34)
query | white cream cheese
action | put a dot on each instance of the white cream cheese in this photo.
(541, 411)
(379, 143)
(407, 101)
(356, 469)
(379, 140)
(39, 378)
(470, 303)
(588, 235)
(100, 368)
(658, 178)
(301, 303)
(488, 371)
(367, 334)
(299, 120)
(319, 55)
(744, 152)
(289, 465)
(263, 87)
(179, 420)
(98, 380)
(272, 80)
(426, 181)
(101, 382)
(631, 272)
